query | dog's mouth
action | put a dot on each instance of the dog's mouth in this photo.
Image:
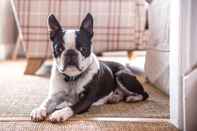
(64, 67)
(73, 66)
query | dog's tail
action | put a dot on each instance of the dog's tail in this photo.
(145, 96)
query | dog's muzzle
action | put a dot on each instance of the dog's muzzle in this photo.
(71, 59)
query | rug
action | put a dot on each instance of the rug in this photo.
(20, 93)
(81, 125)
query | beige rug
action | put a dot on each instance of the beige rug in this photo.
(88, 126)
(19, 94)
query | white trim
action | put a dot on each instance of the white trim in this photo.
(175, 64)
(185, 36)
(180, 39)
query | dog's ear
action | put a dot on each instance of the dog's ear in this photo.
(87, 24)
(54, 26)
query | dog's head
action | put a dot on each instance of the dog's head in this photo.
(72, 48)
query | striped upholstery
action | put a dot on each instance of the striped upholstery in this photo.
(118, 25)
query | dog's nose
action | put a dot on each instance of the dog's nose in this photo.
(71, 57)
(70, 53)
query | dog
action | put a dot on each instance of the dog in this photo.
(79, 80)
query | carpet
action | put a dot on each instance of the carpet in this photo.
(20, 93)
(88, 126)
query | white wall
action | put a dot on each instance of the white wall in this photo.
(189, 69)
(157, 55)
(193, 49)
(189, 101)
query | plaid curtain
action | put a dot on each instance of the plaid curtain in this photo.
(118, 24)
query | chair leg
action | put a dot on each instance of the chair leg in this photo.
(33, 64)
(130, 54)
(15, 52)
(99, 54)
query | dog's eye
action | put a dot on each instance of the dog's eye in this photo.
(58, 49)
(83, 49)
(61, 49)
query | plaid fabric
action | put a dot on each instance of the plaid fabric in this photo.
(118, 24)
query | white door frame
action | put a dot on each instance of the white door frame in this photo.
(180, 38)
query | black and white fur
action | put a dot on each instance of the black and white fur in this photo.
(78, 80)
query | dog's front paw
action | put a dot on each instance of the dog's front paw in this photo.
(38, 114)
(61, 115)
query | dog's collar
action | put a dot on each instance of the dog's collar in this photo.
(71, 78)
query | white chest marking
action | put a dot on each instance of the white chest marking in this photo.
(93, 69)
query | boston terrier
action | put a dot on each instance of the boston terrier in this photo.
(79, 80)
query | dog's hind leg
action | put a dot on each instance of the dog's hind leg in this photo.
(117, 96)
(130, 86)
